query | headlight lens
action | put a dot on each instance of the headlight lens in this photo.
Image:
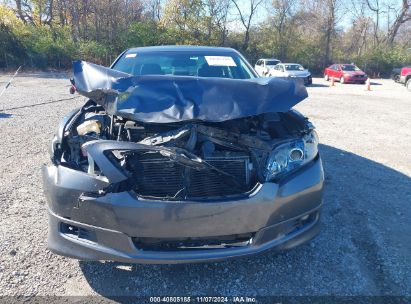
(291, 155)
(347, 75)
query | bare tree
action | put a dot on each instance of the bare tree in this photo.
(331, 7)
(246, 19)
(217, 12)
(154, 8)
(402, 17)
(282, 20)
(24, 11)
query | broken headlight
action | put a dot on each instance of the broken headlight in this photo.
(291, 155)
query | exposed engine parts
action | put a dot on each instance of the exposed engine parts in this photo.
(176, 160)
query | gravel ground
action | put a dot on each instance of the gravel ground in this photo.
(363, 249)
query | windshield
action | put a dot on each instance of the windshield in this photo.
(272, 62)
(349, 67)
(184, 64)
(294, 67)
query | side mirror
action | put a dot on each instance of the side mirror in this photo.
(72, 89)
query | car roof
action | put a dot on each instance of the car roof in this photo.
(289, 63)
(177, 48)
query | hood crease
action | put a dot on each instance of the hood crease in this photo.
(167, 98)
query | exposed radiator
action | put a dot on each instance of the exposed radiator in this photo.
(159, 177)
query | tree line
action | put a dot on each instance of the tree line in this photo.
(374, 34)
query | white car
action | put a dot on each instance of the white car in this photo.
(263, 66)
(291, 70)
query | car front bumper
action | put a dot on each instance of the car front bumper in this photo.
(307, 80)
(92, 227)
(355, 79)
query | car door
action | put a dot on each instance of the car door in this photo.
(331, 71)
(264, 68)
(338, 71)
(259, 68)
(282, 70)
(274, 71)
(256, 66)
(278, 70)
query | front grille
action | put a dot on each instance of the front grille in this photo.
(157, 176)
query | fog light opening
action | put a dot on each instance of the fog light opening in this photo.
(69, 229)
(78, 232)
(296, 154)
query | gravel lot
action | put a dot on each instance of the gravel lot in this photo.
(364, 247)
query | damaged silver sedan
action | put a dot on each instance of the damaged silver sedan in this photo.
(179, 155)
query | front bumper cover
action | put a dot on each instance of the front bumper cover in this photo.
(355, 79)
(106, 225)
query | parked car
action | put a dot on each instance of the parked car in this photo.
(293, 70)
(405, 77)
(263, 66)
(182, 154)
(345, 73)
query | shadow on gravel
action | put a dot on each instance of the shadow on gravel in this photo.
(359, 251)
(45, 75)
(41, 103)
(318, 85)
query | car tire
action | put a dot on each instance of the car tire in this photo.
(342, 80)
(408, 84)
(326, 77)
(397, 78)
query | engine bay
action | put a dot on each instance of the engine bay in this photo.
(173, 161)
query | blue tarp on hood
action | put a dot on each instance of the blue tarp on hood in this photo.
(165, 99)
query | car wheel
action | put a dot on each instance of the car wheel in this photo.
(397, 78)
(342, 80)
(326, 77)
(408, 84)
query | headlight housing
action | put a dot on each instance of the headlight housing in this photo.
(291, 155)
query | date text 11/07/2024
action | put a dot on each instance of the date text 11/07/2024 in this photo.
(203, 299)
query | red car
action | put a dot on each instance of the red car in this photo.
(345, 73)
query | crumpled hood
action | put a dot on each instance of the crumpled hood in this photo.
(165, 99)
